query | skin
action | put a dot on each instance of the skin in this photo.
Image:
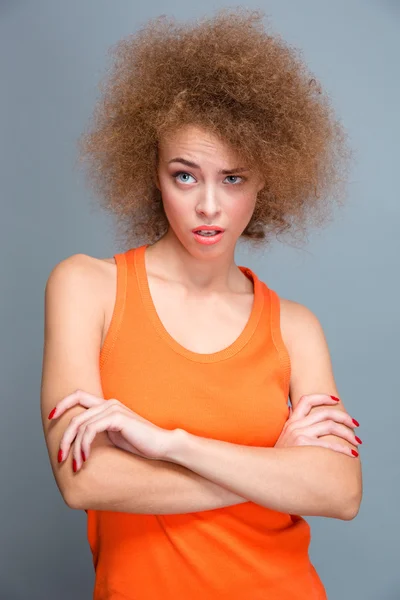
(179, 267)
(203, 196)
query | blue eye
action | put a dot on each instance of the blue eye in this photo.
(236, 177)
(175, 175)
(179, 173)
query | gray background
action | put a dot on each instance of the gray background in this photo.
(52, 54)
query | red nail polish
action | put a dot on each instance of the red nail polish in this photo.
(334, 398)
(60, 453)
(51, 415)
(74, 465)
(356, 423)
(358, 439)
(354, 452)
(83, 456)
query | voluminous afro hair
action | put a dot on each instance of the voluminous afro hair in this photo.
(229, 75)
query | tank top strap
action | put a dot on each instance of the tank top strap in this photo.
(123, 277)
(131, 257)
(276, 332)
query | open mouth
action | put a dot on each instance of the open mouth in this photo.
(208, 233)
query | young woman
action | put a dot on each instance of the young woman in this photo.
(167, 369)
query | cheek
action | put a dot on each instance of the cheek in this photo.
(174, 209)
(243, 209)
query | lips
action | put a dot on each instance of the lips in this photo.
(207, 236)
(207, 228)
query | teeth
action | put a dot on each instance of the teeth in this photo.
(207, 233)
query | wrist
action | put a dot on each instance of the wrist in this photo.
(177, 443)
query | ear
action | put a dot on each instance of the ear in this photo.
(156, 180)
(261, 184)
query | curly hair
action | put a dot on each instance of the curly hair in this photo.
(247, 86)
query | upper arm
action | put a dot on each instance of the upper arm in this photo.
(72, 338)
(311, 366)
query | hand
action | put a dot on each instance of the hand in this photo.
(126, 429)
(303, 430)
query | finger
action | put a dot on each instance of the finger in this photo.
(72, 431)
(332, 446)
(107, 421)
(81, 451)
(338, 416)
(329, 427)
(308, 401)
(78, 397)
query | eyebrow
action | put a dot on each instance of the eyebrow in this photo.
(189, 163)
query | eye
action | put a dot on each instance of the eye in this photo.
(179, 173)
(236, 177)
(185, 174)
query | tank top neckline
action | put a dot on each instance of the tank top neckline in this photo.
(149, 306)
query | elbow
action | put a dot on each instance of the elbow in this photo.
(352, 510)
(85, 494)
(76, 497)
(72, 500)
(351, 507)
(344, 505)
(351, 491)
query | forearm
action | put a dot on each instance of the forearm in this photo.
(116, 480)
(304, 480)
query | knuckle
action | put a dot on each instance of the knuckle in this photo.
(302, 439)
(342, 449)
(334, 412)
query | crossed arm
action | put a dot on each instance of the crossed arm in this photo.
(304, 480)
(203, 474)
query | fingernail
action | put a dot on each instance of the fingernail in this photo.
(74, 465)
(60, 453)
(354, 452)
(83, 456)
(356, 423)
(51, 415)
(358, 439)
(334, 398)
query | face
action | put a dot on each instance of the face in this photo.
(202, 183)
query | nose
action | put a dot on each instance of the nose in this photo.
(208, 205)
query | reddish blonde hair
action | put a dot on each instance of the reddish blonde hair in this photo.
(246, 85)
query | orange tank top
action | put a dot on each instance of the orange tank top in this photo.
(238, 395)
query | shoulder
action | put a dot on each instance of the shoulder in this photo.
(81, 270)
(81, 279)
(298, 322)
(303, 336)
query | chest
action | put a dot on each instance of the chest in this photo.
(201, 323)
(236, 396)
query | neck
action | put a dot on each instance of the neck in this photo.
(168, 258)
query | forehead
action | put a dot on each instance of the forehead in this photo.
(193, 139)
